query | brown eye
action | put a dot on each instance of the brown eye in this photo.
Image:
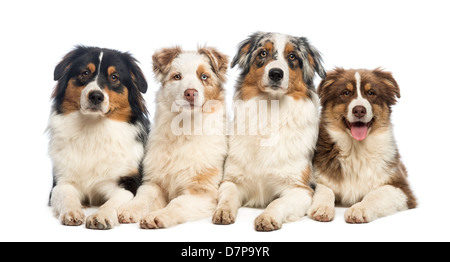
(292, 57)
(345, 93)
(114, 78)
(371, 93)
(177, 77)
(263, 54)
(85, 74)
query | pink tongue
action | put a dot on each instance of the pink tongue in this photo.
(359, 132)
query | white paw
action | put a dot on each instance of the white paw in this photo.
(102, 219)
(322, 213)
(129, 214)
(358, 214)
(224, 216)
(157, 219)
(72, 218)
(266, 222)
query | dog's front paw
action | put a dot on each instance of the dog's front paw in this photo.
(322, 213)
(102, 220)
(223, 216)
(72, 218)
(266, 222)
(156, 220)
(129, 216)
(357, 214)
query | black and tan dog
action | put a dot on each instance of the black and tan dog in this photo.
(98, 128)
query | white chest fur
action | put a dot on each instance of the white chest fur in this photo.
(89, 150)
(364, 165)
(172, 160)
(266, 162)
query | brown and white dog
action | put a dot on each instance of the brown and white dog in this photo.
(270, 155)
(187, 147)
(98, 128)
(357, 162)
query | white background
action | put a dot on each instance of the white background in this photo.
(408, 38)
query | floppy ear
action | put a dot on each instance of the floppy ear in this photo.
(63, 67)
(137, 76)
(312, 61)
(219, 61)
(332, 76)
(162, 60)
(139, 81)
(245, 50)
(388, 79)
(324, 84)
(315, 60)
(243, 54)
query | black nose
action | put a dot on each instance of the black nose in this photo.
(359, 111)
(276, 74)
(96, 97)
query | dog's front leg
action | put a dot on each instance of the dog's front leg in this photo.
(380, 202)
(186, 207)
(290, 206)
(149, 197)
(228, 205)
(322, 207)
(66, 203)
(106, 215)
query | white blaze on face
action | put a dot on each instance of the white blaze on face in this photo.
(280, 62)
(359, 101)
(86, 106)
(359, 126)
(186, 64)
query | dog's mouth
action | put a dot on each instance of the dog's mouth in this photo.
(187, 104)
(192, 104)
(276, 87)
(359, 130)
(91, 110)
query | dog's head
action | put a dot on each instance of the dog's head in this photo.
(277, 64)
(102, 82)
(191, 77)
(358, 101)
